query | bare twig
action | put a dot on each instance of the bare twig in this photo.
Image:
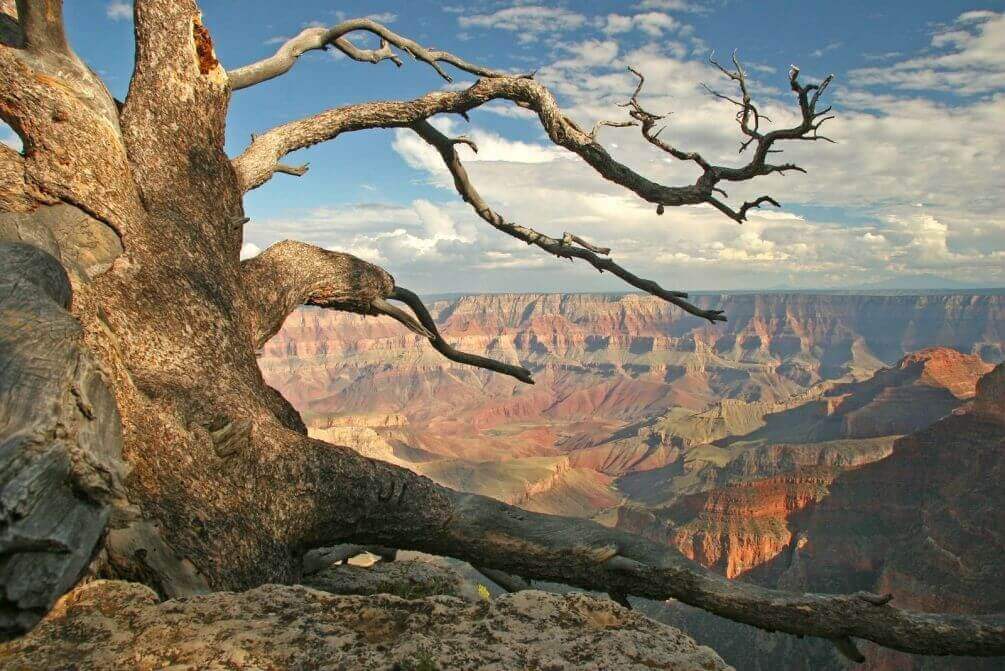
(611, 124)
(750, 120)
(379, 306)
(648, 122)
(570, 239)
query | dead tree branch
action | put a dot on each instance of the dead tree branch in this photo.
(750, 121)
(256, 164)
(444, 348)
(323, 38)
(494, 535)
(295, 170)
(221, 471)
(573, 239)
(560, 248)
(42, 23)
(289, 274)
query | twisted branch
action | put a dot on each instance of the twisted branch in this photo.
(313, 39)
(289, 274)
(560, 248)
(261, 159)
(750, 121)
(418, 307)
(256, 164)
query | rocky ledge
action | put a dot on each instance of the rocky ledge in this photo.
(121, 625)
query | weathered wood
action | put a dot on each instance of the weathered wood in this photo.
(84, 246)
(60, 440)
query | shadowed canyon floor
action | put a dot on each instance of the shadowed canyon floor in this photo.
(739, 443)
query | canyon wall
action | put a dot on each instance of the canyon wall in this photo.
(607, 360)
(770, 448)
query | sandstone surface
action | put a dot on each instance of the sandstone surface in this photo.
(119, 625)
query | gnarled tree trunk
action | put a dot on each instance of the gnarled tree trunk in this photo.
(222, 488)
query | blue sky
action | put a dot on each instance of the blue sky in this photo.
(914, 187)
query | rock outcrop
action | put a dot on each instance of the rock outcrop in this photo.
(737, 527)
(924, 524)
(740, 516)
(118, 625)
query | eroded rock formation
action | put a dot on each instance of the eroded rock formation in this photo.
(924, 523)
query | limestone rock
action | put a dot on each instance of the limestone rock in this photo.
(113, 625)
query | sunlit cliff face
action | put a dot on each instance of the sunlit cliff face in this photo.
(723, 432)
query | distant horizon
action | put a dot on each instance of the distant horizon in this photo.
(708, 292)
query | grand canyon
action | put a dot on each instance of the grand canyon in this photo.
(823, 442)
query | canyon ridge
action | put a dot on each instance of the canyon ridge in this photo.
(779, 447)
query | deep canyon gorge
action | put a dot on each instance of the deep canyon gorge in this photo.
(826, 442)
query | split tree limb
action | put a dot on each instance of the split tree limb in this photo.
(289, 274)
(313, 39)
(444, 348)
(587, 252)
